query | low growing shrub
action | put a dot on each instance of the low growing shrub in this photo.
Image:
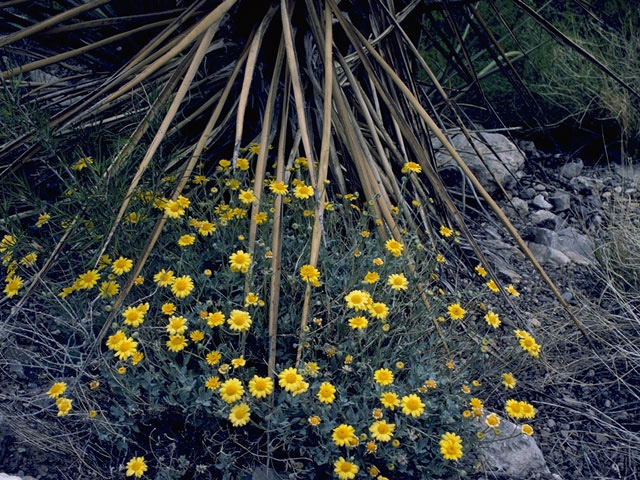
(393, 373)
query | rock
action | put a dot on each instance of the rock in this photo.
(548, 255)
(567, 296)
(629, 173)
(539, 187)
(528, 147)
(521, 206)
(528, 193)
(560, 200)
(40, 76)
(540, 202)
(575, 245)
(543, 236)
(587, 185)
(510, 159)
(4, 476)
(512, 276)
(512, 452)
(572, 169)
(578, 259)
(618, 189)
(545, 219)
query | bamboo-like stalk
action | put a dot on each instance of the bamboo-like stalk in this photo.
(261, 162)
(276, 237)
(145, 123)
(78, 51)
(468, 173)
(212, 18)
(102, 22)
(162, 130)
(298, 94)
(155, 234)
(317, 232)
(49, 22)
(248, 78)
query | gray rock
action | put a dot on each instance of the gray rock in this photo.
(629, 173)
(543, 236)
(578, 259)
(539, 187)
(512, 452)
(570, 242)
(545, 219)
(587, 185)
(521, 206)
(572, 169)
(528, 147)
(40, 76)
(528, 193)
(514, 277)
(540, 202)
(4, 476)
(561, 201)
(548, 255)
(510, 159)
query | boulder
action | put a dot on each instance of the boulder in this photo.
(512, 452)
(578, 247)
(572, 169)
(548, 255)
(520, 206)
(504, 166)
(545, 219)
(587, 185)
(540, 202)
(560, 200)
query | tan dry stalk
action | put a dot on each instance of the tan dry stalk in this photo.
(49, 22)
(325, 146)
(261, 163)
(454, 154)
(28, 67)
(254, 48)
(276, 237)
(298, 95)
(155, 234)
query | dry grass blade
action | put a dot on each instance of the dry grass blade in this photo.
(93, 24)
(248, 77)
(212, 18)
(49, 262)
(145, 123)
(276, 237)
(292, 62)
(49, 22)
(261, 163)
(316, 235)
(162, 130)
(469, 174)
(78, 51)
(157, 230)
